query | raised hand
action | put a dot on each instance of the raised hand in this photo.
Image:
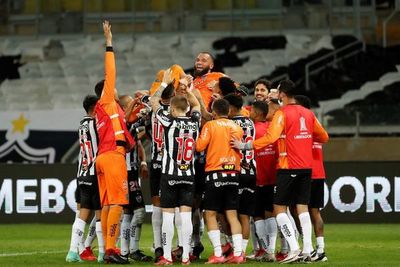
(107, 32)
(167, 77)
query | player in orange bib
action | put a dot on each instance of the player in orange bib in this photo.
(204, 79)
(114, 142)
(222, 181)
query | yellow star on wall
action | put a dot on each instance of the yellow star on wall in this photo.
(19, 124)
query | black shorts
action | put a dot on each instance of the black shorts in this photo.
(247, 194)
(89, 192)
(293, 187)
(77, 193)
(221, 193)
(317, 193)
(155, 177)
(176, 193)
(264, 200)
(199, 178)
(135, 191)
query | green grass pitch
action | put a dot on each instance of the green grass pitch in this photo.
(346, 245)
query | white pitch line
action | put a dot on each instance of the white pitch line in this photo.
(30, 253)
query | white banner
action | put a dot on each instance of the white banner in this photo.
(45, 120)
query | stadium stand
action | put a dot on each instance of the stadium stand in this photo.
(245, 59)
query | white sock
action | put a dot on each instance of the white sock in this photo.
(261, 233)
(284, 243)
(254, 239)
(237, 244)
(136, 229)
(73, 247)
(296, 231)
(156, 222)
(202, 226)
(244, 245)
(187, 230)
(100, 239)
(214, 237)
(91, 233)
(272, 233)
(320, 244)
(78, 229)
(285, 226)
(167, 233)
(178, 225)
(125, 233)
(306, 226)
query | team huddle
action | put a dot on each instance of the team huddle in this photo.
(243, 171)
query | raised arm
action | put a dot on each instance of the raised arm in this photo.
(108, 94)
(193, 102)
(155, 98)
(143, 163)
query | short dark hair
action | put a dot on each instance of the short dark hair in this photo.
(208, 53)
(180, 102)
(168, 92)
(303, 100)
(221, 107)
(98, 89)
(266, 82)
(227, 85)
(89, 102)
(234, 100)
(261, 106)
(287, 87)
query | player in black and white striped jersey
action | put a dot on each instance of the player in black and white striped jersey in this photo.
(247, 177)
(88, 147)
(134, 212)
(156, 131)
(87, 186)
(177, 179)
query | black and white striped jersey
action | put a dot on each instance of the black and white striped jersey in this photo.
(180, 135)
(132, 157)
(157, 139)
(247, 162)
(88, 141)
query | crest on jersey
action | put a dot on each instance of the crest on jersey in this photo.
(15, 149)
(303, 127)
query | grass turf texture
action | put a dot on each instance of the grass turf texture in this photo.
(346, 245)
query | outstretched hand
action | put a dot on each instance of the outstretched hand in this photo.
(168, 79)
(107, 32)
(237, 143)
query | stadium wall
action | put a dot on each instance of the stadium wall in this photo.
(355, 192)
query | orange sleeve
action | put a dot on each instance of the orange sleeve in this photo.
(273, 133)
(109, 81)
(157, 82)
(204, 138)
(319, 133)
(177, 74)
